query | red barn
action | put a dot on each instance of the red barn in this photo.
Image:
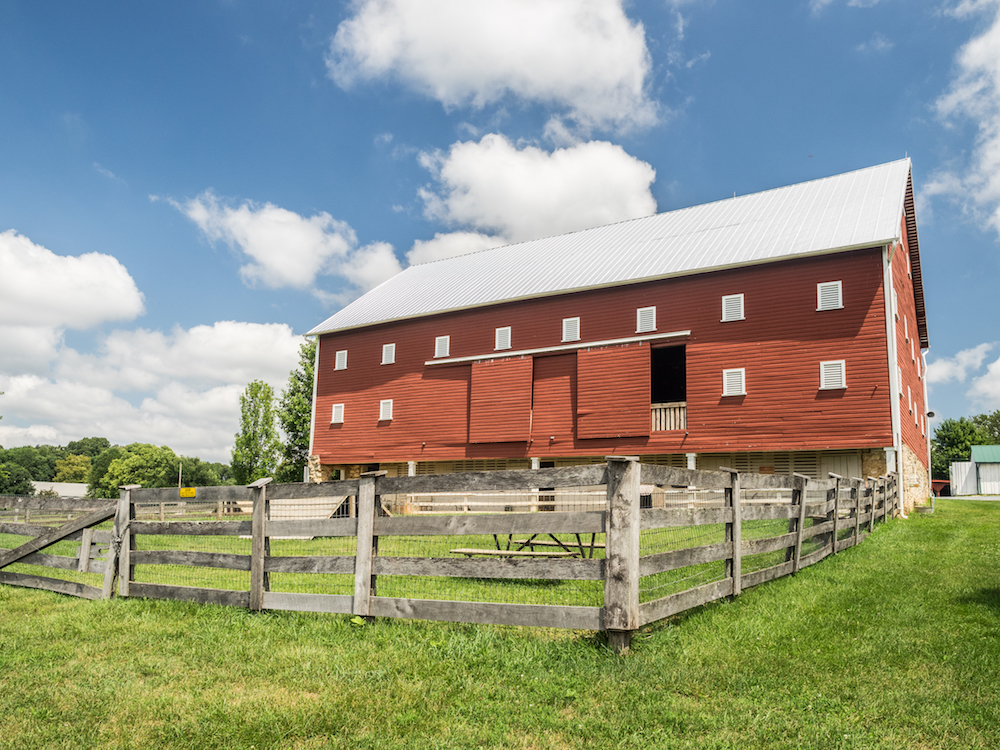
(775, 332)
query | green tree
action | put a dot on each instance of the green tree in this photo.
(198, 473)
(255, 451)
(15, 480)
(295, 416)
(92, 446)
(143, 464)
(953, 440)
(38, 460)
(98, 470)
(73, 468)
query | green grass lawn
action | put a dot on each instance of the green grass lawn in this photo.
(891, 644)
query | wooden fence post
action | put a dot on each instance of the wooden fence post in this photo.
(367, 544)
(836, 510)
(801, 482)
(856, 493)
(734, 531)
(123, 540)
(260, 545)
(874, 504)
(621, 571)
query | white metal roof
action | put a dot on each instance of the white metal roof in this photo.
(845, 212)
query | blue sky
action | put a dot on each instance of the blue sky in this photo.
(187, 187)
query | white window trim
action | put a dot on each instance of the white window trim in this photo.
(388, 354)
(337, 414)
(340, 360)
(501, 338)
(442, 346)
(649, 313)
(571, 326)
(909, 397)
(899, 379)
(839, 285)
(895, 305)
(725, 299)
(906, 328)
(743, 382)
(385, 410)
(824, 384)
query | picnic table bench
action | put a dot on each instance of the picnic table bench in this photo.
(512, 547)
(470, 552)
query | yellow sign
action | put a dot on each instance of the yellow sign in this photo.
(188, 491)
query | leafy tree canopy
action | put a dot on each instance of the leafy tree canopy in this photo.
(953, 440)
(139, 463)
(91, 446)
(73, 468)
(256, 448)
(39, 460)
(15, 480)
(295, 416)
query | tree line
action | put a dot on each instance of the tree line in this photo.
(953, 440)
(258, 451)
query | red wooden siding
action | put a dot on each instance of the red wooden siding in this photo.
(613, 392)
(780, 343)
(500, 404)
(912, 410)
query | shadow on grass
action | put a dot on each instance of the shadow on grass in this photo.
(985, 597)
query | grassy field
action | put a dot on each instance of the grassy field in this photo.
(892, 644)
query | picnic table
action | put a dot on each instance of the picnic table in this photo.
(552, 546)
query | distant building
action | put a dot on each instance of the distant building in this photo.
(63, 489)
(775, 332)
(981, 475)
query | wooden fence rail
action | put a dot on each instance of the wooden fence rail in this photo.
(775, 524)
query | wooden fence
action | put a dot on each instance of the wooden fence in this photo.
(616, 561)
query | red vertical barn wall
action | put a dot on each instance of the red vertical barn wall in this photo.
(913, 418)
(780, 343)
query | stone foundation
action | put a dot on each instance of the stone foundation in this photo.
(873, 463)
(916, 484)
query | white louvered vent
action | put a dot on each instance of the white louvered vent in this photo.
(502, 338)
(388, 354)
(832, 375)
(385, 409)
(337, 415)
(645, 320)
(442, 346)
(571, 329)
(732, 307)
(340, 362)
(734, 382)
(829, 295)
(899, 379)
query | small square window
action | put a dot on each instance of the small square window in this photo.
(571, 329)
(732, 307)
(645, 320)
(734, 382)
(337, 415)
(340, 362)
(502, 338)
(442, 346)
(385, 410)
(388, 354)
(832, 375)
(829, 295)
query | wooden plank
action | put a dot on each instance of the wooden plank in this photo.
(494, 481)
(194, 559)
(770, 544)
(776, 512)
(819, 509)
(71, 588)
(311, 490)
(337, 604)
(126, 570)
(257, 542)
(83, 557)
(621, 565)
(551, 569)
(335, 564)
(223, 493)
(365, 545)
(817, 529)
(190, 594)
(60, 562)
(581, 522)
(799, 494)
(766, 481)
(767, 574)
(670, 476)
(664, 561)
(312, 527)
(192, 528)
(31, 529)
(684, 600)
(661, 518)
(118, 530)
(734, 533)
(54, 504)
(835, 513)
(537, 615)
(55, 535)
(815, 557)
(505, 553)
(845, 543)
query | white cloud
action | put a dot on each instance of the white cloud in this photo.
(985, 389)
(494, 187)
(450, 244)
(878, 43)
(958, 368)
(586, 59)
(974, 95)
(283, 249)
